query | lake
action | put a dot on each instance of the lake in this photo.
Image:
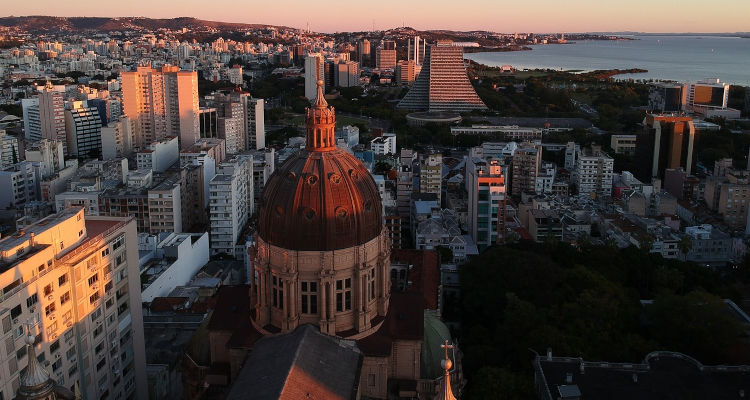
(679, 58)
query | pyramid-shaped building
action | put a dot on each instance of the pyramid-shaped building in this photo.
(443, 84)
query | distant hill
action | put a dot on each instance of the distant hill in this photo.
(39, 23)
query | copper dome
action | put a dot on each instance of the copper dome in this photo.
(323, 198)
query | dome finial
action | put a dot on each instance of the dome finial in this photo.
(447, 364)
(320, 100)
(35, 379)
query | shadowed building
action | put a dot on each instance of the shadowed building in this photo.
(443, 84)
(667, 142)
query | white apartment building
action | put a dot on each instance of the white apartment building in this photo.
(75, 278)
(171, 262)
(383, 145)
(20, 185)
(254, 119)
(594, 172)
(313, 72)
(230, 203)
(117, 139)
(32, 124)
(48, 154)
(159, 155)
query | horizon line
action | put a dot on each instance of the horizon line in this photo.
(618, 31)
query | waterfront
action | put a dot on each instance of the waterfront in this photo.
(681, 58)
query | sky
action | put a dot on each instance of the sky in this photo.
(493, 15)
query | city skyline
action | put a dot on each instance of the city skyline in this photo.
(546, 16)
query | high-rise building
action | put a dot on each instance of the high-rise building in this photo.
(667, 141)
(84, 131)
(443, 84)
(431, 175)
(363, 51)
(709, 92)
(230, 203)
(416, 50)
(117, 139)
(385, 55)
(594, 171)
(32, 124)
(254, 121)
(162, 103)
(486, 201)
(347, 74)
(313, 72)
(527, 160)
(75, 277)
(405, 71)
(9, 151)
(666, 97)
(52, 115)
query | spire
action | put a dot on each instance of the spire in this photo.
(35, 381)
(447, 364)
(320, 100)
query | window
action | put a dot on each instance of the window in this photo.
(309, 297)
(48, 290)
(105, 252)
(64, 298)
(94, 297)
(33, 299)
(72, 371)
(63, 279)
(120, 259)
(70, 354)
(54, 346)
(118, 242)
(277, 292)
(99, 347)
(344, 294)
(49, 309)
(93, 279)
(372, 284)
(96, 314)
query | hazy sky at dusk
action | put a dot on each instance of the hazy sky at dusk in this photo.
(495, 15)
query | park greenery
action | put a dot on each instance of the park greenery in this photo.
(586, 302)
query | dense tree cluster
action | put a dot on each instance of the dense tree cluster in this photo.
(585, 302)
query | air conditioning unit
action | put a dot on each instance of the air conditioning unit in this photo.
(53, 336)
(15, 321)
(50, 297)
(51, 316)
(57, 356)
(69, 324)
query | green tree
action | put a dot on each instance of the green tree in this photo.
(685, 245)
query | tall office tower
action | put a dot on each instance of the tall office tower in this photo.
(527, 160)
(32, 124)
(594, 171)
(52, 115)
(431, 175)
(416, 50)
(313, 72)
(84, 129)
(667, 141)
(231, 203)
(76, 278)
(160, 103)
(329, 74)
(709, 92)
(254, 121)
(405, 71)
(363, 51)
(666, 97)
(385, 58)
(443, 84)
(486, 188)
(347, 74)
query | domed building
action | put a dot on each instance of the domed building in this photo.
(322, 254)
